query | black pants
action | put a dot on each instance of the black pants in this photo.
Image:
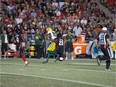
(17, 46)
(106, 51)
(60, 51)
(39, 51)
(42, 51)
(4, 48)
(69, 47)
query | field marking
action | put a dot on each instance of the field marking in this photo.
(103, 63)
(87, 59)
(91, 64)
(60, 68)
(59, 79)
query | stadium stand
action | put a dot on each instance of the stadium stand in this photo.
(26, 16)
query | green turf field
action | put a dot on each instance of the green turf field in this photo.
(68, 73)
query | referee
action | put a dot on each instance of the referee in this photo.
(103, 42)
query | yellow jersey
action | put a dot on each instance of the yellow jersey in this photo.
(52, 46)
(114, 46)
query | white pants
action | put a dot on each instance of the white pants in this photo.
(12, 47)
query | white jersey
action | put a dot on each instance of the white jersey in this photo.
(102, 38)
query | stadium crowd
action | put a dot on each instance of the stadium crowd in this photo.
(110, 4)
(81, 17)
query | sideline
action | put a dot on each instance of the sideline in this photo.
(59, 79)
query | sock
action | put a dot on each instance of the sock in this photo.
(23, 57)
(7, 53)
(46, 61)
(57, 57)
(66, 58)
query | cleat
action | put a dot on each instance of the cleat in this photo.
(56, 59)
(27, 63)
(45, 61)
(72, 58)
(108, 69)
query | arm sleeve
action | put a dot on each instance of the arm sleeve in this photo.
(107, 36)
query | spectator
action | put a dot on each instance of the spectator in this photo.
(19, 20)
(69, 46)
(114, 34)
(38, 43)
(28, 15)
(77, 30)
(4, 39)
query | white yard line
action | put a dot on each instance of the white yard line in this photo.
(92, 64)
(59, 79)
(68, 68)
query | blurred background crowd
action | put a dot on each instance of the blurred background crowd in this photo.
(110, 4)
(81, 17)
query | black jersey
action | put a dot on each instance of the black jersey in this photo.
(60, 41)
(17, 38)
(11, 39)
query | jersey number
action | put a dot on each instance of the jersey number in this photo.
(61, 42)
